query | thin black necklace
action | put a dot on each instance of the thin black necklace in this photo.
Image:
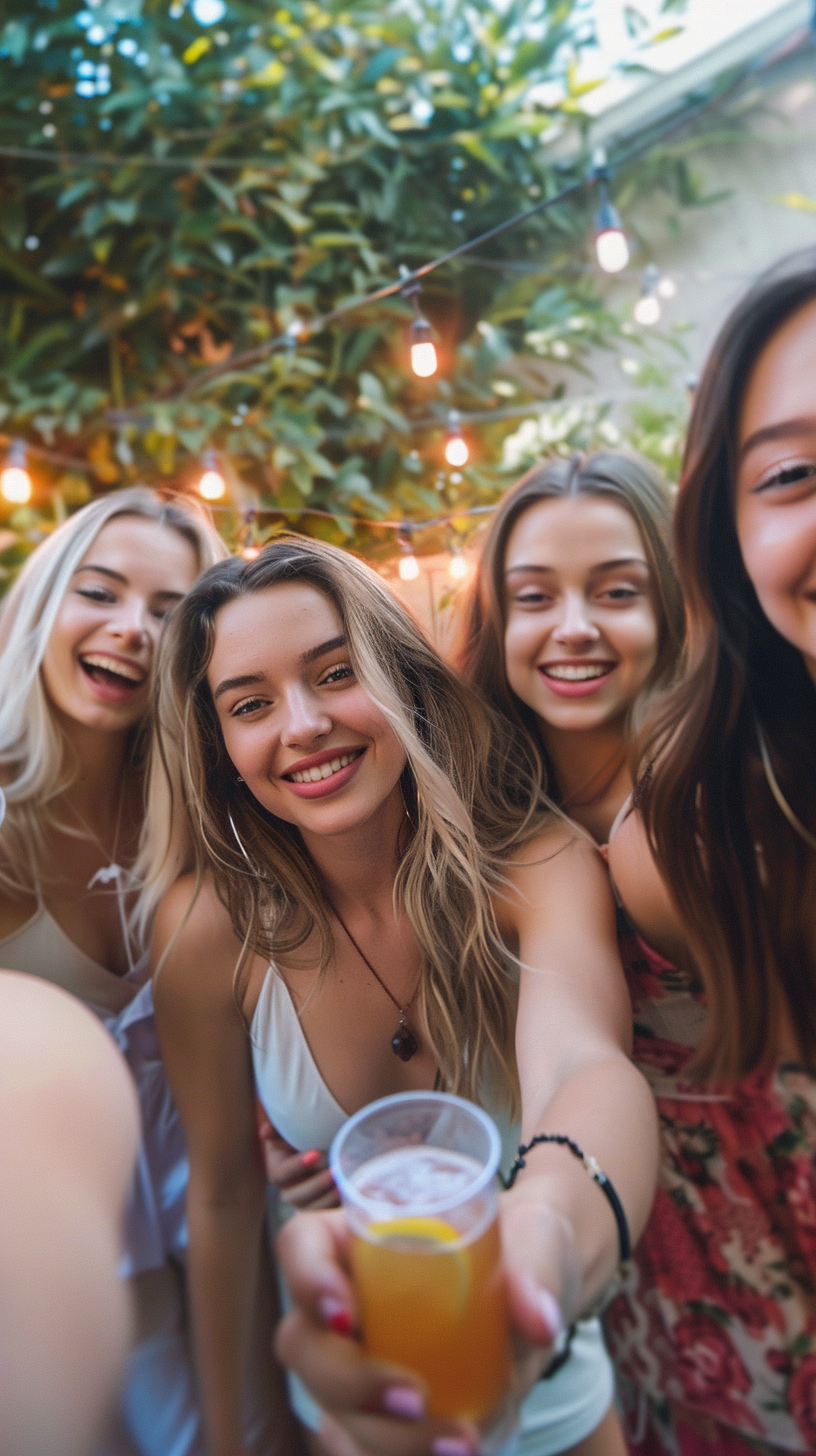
(403, 1043)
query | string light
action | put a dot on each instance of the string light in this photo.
(250, 553)
(647, 308)
(611, 247)
(212, 485)
(457, 566)
(15, 481)
(408, 565)
(423, 350)
(667, 288)
(456, 447)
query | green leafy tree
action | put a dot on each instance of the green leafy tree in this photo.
(175, 195)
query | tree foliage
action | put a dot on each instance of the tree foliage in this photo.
(196, 189)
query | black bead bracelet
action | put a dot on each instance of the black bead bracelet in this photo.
(595, 1172)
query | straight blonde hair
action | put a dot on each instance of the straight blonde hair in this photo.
(34, 762)
(461, 830)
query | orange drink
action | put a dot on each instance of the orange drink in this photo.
(417, 1177)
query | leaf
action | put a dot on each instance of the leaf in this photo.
(30, 279)
(196, 50)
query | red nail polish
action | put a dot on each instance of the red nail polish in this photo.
(311, 1159)
(336, 1316)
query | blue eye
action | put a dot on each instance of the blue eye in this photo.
(249, 705)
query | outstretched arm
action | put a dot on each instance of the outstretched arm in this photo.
(573, 1037)
(68, 1133)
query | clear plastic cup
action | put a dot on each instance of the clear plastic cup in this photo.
(417, 1177)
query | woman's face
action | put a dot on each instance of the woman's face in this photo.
(776, 481)
(302, 732)
(581, 633)
(97, 663)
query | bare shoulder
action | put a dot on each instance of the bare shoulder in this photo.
(643, 892)
(194, 947)
(560, 868)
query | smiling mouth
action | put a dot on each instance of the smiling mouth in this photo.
(576, 672)
(111, 672)
(324, 770)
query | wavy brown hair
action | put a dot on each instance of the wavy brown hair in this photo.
(462, 829)
(743, 879)
(629, 481)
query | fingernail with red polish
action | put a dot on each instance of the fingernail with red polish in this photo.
(451, 1446)
(335, 1315)
(311, 1159)
(551, 1311)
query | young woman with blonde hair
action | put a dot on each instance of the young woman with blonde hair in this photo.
(366, 916)
(78, 631)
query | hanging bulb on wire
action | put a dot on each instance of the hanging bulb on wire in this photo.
(423, 351)
(457, 566)
(611, 247)
(15, 481)
(647, 308)
(456, 447)
(408, 565)
(212, 485)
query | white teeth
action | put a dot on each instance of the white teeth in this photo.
(324, 771)
(569, 672)
(113, 664)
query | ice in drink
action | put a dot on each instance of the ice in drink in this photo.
(430, 1289)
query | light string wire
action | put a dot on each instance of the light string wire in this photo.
(290, 339)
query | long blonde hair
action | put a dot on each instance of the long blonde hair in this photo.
(34, 763)
(461, 829)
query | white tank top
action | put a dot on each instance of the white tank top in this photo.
(42, 948)
(288, 1080)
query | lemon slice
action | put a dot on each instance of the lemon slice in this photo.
(424, 1230)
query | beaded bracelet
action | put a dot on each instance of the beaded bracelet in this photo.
(595, 1172)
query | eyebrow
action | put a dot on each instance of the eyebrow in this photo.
(253, 678)
(117, 576)
(602, 566)
(781, 431)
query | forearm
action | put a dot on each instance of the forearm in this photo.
(231, 1310)
(606, 1107)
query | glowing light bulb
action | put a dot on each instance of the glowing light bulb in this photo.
(667, 288)
(408, 567)
(15, 485)
(647, 310)
(15, 481)
(250, 553)
(612, 250)
(212, 485)
(423, 352)
(456, 450)
(611, 247)
(457, 566)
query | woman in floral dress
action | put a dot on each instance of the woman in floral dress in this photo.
(714, 1331)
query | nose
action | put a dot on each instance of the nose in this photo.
(131, 623)
(303, 718)
(575, 626)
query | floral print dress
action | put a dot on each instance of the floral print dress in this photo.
(713, 1332)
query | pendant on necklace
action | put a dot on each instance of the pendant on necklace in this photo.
(403, 1043)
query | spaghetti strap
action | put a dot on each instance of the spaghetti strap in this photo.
(623, 813)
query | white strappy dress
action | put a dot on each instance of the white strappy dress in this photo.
(558, 1412)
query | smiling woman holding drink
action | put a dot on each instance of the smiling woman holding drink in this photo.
(367, 917)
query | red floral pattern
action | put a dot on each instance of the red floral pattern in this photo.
(716, 1319)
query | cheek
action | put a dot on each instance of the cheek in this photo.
(634, 637)
(522, 641)
(778, 551)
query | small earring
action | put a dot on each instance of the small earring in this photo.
(239, 780)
